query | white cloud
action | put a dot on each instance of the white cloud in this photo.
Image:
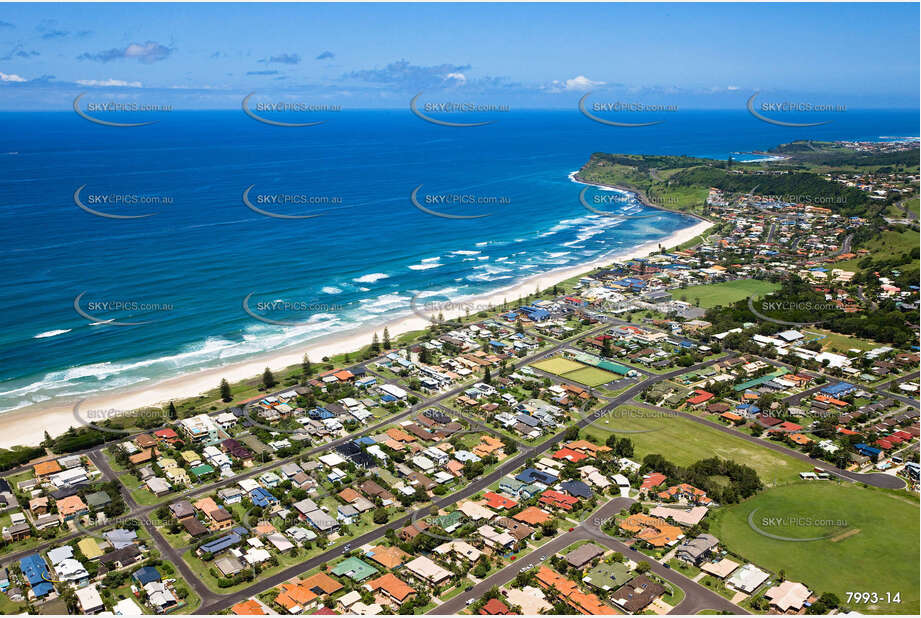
(11, 77)
(580, 83)
(108, 82)
(732, 88)
(457, 77)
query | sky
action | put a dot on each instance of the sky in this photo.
(208, 56)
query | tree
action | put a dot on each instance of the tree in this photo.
(380, 516)
(226, 395)
(173, 415)
(386, 339)
(606, 347)
(375, 343)
(306, 368)
(642, 566)
(268, 378)
(487, 377)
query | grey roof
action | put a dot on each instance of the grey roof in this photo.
(695, 548)
(581, 556)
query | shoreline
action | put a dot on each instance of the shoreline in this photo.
(640, 195)
(26, 426)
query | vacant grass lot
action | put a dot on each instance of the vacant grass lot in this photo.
(723, 294)
(887, 244)
(876, 550)
(836, 342)
(683, 442)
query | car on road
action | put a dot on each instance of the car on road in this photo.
(470, 601)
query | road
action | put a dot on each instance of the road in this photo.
(696, 598)
(213, 602)
(479, 484)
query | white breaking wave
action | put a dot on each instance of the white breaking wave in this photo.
(52, 333)
(371, 278)
(331, 290)
(424, 266)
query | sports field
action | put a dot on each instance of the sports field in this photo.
(683, 442)
(724, 294)
(871, 542)
(577, 372)
(591, 376)
(557, 366)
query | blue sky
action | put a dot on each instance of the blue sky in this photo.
(538, 55)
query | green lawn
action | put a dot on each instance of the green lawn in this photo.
(576, 371)
(836, 342)
(724, 294)
(913, 205)
(591, 376)
(683, 441)
(885, 245)
(880, 553)
(558, 366)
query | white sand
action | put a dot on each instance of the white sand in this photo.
(27, 425)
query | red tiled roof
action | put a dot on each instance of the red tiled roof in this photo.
(653, 479)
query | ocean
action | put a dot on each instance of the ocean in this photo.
(93, 303)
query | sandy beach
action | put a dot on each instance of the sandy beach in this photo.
(27, 425)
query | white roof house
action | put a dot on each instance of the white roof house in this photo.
(393, 390)
(89, 599)
(127, 607)
(428, 570)
(332, 460)
(788, 595)
(747, 578)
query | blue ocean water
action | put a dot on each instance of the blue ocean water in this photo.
(361, 262)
